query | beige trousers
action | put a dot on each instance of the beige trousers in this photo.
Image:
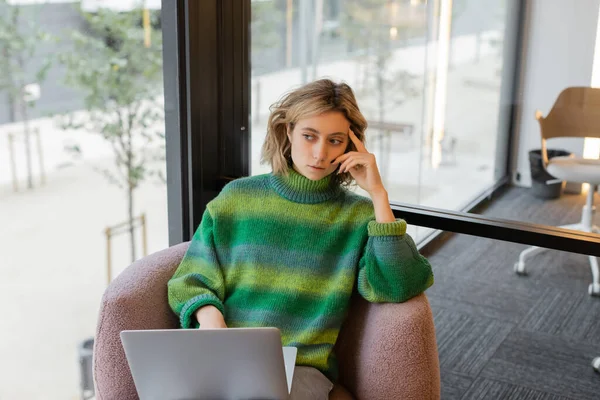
(310, 384)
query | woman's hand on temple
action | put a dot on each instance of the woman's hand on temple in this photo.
(362, 166)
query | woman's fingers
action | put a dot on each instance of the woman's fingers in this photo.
(353, 160)
(359, 145)
(344, 157)
(347, 161)
(351, 164)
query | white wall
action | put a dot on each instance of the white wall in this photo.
(558, 52)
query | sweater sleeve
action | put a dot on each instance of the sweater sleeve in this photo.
(198, 281)
(391, 268)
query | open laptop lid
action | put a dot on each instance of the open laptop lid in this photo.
(209, 364)
(289, 359)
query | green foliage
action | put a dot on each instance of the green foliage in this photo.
(121, 81)
(20, 38)
(265, 18)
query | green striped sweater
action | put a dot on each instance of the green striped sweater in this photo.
(287, 252)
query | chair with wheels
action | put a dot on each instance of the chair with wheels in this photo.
(576, 113)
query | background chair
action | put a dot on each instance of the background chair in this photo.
(576, 113)
(385, 351)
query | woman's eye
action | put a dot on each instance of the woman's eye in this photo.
(307, 137)
(336, 141)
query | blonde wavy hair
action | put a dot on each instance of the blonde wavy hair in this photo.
(312, 99)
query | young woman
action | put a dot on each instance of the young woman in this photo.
(286, 249)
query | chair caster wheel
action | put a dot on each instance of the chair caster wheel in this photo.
(594, 289)
(596, 364)
(520, 269)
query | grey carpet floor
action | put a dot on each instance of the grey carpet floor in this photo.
(501, 336)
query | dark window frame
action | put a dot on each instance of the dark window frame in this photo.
(207, 100)
(207, 103)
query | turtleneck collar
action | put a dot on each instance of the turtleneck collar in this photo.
(298, 188)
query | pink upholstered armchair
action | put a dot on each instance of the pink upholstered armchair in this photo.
(385, 351)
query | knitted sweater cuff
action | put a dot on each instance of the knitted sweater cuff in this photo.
(396, 228)
(187, 318)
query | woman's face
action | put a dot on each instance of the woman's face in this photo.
(316, 142)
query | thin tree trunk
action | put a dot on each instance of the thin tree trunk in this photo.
(12, 101)
(23, 105)
(6, 67)
(12, 108)
(130, 187)
(130, 215)
(25, 117)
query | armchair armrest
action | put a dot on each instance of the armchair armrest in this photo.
(136, 299)
(389, 351)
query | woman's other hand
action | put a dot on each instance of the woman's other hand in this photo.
(209, 317)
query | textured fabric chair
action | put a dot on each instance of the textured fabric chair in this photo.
(385, 351)
(575, 114)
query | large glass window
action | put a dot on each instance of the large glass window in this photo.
(82, 189)
(428, 77)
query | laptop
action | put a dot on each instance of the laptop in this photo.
(216, 364)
